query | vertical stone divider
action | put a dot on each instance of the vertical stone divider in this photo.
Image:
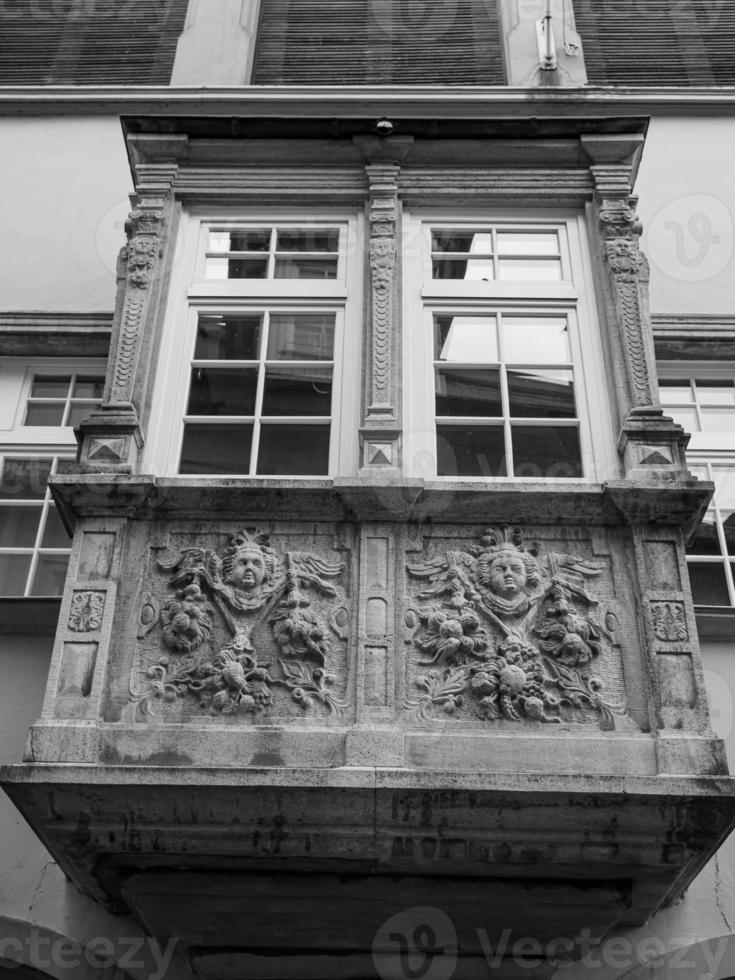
(111, 438)
(651, 445)
(374, 741)
(81, 654)
(679, 705)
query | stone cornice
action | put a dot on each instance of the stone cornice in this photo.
(367, 101)
(42, 334)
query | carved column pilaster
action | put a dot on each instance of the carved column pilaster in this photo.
(111, 438)
(652, 446)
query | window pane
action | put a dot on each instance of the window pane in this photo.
(528, 243)
(297, 391)
(685, 417)
(255, 268)
(50, 575)
(54, 533)
(674, 392)
(474, 269)
(14, 573)
(301, 337)
(717, 419)
(308, 240)
(294, 449)
(222, 391)
(24, 478)
(19, 526)
(464, 451)
(215, 448)
(89, 387)
(240, 240)
(56, 386)
(536, 340)
(706, 540)
(541, 394)
(709, 584)
(716, 392)
(729, 524)
(529, 270)
(79, 412)
(44, 413)
(296, 268)
(468, 339)
(723, 478)
(546, 452)
(454, 240)
(228, 337)
(473, 393)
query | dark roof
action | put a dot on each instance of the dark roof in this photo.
(89, 42)
(658, 42)
(398, 42)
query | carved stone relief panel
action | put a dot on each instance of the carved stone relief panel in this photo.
(512, 629)
(250, 627)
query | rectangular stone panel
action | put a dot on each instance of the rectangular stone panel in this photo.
(95, 556)
(76, 675)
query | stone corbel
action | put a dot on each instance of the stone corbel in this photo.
(381, 429)
(111, 438)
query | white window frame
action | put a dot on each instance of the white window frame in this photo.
(18, 441)
(574, 295)
(706, 452)
(192, 294)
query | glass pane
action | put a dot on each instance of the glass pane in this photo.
(308, 240)
(236, 268)
(674, 392)
(685, 417)
(474, 269)
(723, 478)
(297, 391)
(546, 452)
(466, 451)
(89, 387)
(729, 525)
(296, 268)
(24, 478)
(536, 340)
(216, 449)
(529, 270)
(50, 575)
(294, 450)
(44, 413)
(473, 393)
(222, 391)
(717, 419)
(528, 243)
(709, 584)
(541, 394)
(19, 526)
(14, 573)
(454, 240)
(50, 387)
(301, 337)
(54, 533)
(716, 392)
(468, 339)
(240, 240)
(706, 540)
(79, 411)
(228, 337)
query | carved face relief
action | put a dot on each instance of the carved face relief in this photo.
(247, 571)
(506, 575)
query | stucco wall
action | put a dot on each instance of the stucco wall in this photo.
(687, 205)
(63, 202)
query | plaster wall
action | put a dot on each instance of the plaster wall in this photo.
(63, 202)
(687, 206)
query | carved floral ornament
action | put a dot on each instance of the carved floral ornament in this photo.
(263, 599)
(509, 635)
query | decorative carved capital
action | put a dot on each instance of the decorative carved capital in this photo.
(619, 219)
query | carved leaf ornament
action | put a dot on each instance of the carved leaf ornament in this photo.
(248, 587)
(510, 634)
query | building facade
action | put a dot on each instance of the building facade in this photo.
(367, 408)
